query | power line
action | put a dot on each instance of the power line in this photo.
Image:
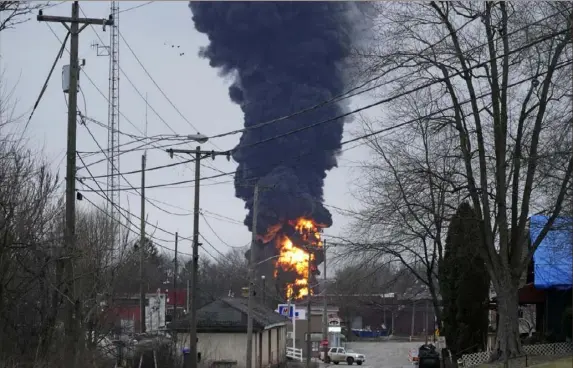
(158, 87)
(222, 217)
(139, 148)
(104, 196)
(136, 7)
(402, 94)
(362, 137)
(143, 97)
(386, 100)
(122, 175)
(352, 92)
(58, 56)
(146, 170)
(132, 84)
(217, 235)
(128, 228)
(96, 87)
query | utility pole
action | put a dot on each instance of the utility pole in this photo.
(324, 301)
(141, 250)
(72, 321)
(199, 155)
(308, 335)
(263, 277)
(413, 319)
(252, 278)
(175, 278)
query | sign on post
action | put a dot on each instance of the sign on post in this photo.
(291, 311)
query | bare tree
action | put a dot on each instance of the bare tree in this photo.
(409, 194)
(13, 13)
(494, 79)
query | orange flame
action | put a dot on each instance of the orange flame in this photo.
(296, 259)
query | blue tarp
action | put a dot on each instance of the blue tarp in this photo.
(553, 261)
(368, 333)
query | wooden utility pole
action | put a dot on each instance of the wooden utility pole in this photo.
(252, 280)
(195, 271)
(142, 251)
(175, 278)
(413, 319)
(72, 320)
(199, 155)
(308, 325)
(324, 300)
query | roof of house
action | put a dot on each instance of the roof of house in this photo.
(552, 260)
(230, 315)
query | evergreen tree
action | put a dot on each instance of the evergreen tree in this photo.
(464, 285)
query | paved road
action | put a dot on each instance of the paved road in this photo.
(386, 354)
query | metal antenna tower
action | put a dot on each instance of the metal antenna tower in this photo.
(113, 114)
(112, 51)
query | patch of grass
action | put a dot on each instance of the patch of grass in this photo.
(561, 363)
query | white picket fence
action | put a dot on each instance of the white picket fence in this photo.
(560, 348)
(294, 353)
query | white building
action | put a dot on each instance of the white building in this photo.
(222, 333)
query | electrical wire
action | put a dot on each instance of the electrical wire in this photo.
(154, 82)
(43, 90)
(158, 87)
(362, 137)
(402, 94)
(120, 174)
(352, 92)
(136, 7)
(103, 195)
(93, 83)
(146, 170)
(222, 217)
(128, 228)
(217, 235)
(386, 100)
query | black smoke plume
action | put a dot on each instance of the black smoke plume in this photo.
(283, 57)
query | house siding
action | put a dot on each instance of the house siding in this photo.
(233, 346)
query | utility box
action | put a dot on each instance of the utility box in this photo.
(66, 78)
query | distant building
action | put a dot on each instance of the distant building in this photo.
(124, 313)
(222, 333)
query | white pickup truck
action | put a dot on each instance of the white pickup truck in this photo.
(338, 354)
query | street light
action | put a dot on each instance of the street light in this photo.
(200, 138)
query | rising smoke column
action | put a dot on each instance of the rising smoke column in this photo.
(283, 57)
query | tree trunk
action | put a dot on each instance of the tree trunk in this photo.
(437, 311)
(508, 343)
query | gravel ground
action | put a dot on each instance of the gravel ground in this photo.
(385, 354)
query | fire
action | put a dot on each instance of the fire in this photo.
(296, 259)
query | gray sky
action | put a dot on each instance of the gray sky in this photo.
(194, 88)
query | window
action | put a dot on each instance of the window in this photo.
(340, 350)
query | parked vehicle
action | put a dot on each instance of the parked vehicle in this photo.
(338, 354)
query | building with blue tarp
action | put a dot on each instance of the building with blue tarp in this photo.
(552, 268)
(553, 259)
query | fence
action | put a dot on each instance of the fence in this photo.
(534, 354)
(294, 353)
